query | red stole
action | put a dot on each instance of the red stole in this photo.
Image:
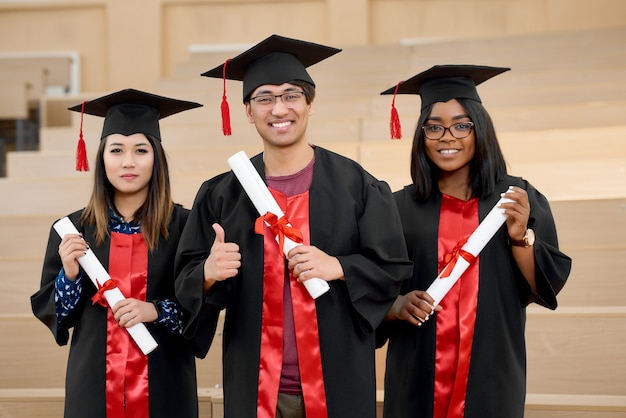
(455, 323)
(296, 209)
(126, 365)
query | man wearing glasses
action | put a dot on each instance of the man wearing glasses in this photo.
(286, 354)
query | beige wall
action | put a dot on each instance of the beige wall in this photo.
(124, 43)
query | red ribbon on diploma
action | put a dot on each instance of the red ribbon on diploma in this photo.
(278, 227)
(99, 296)
(451, 258)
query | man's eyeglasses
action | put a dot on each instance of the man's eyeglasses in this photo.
(458, 130)
(290, 99)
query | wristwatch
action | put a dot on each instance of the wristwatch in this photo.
(527, 241)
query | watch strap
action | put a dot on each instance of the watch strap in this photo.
(526, 242)
(518, 242)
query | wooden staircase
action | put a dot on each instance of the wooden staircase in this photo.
(560, 117)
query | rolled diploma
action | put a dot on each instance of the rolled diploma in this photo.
(264, 202)
(94, 269)
(474, 245)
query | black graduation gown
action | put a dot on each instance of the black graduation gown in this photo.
(496, 386)
(171, 366)
(353, 217)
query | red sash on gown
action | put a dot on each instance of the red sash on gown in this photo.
(126, 365)
(455, 323)
(296, 209)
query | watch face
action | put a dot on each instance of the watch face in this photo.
(529, 238)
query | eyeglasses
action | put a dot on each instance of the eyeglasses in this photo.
(458, 130)
(290, 99)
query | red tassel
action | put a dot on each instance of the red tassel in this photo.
(396, 129)
(226, 129)
(81, 150)
(226, 117)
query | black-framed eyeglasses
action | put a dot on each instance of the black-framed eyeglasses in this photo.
(458, 130)
(290, 99)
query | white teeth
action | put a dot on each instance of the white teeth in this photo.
(281, 124)
(448, 151)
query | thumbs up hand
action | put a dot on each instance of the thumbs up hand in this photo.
(223, 261)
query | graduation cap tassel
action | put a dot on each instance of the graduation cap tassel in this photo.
(81, 150)
(396, 129)
(226, 117)
(226, 129)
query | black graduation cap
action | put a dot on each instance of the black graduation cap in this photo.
(441, 83)
(128, 112)
(275, 60)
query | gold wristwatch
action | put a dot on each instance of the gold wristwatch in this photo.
(527, 241)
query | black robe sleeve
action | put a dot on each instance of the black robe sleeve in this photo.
(552, 267)
(376, 266)
(42, 302)
(194, 247)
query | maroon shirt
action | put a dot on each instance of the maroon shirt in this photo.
(290, 185)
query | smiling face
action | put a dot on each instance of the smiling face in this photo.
(451, 155)
(128, 162)
(278, 125)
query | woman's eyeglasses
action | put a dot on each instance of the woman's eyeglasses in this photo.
(458, 130)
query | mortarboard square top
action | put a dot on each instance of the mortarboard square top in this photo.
(445, 82)
(132, 111)
(275, 60)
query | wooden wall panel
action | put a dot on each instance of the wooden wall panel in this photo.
(52, 27)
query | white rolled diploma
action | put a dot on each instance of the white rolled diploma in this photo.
(264, 202)
(94, 269)
(474, 245)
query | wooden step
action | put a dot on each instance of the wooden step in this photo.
(63, 195)
(44, 403)
(566, 180)
(573, 350)
(590, 223)
(37, 196)
(576, 350)
(25, 236)
(32, 402)
(551, 145)
(561, 358)
(30, 358)
(596, 278)
(574, 49)
(21, 278)
(532, 88)
(546, 405)
(48, 403)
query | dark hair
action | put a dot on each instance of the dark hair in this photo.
(308, 88)
(155, 212)
(486, 168)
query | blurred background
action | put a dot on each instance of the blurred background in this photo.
(560, 114)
